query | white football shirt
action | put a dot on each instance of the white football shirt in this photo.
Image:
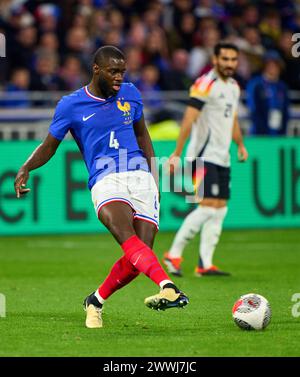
(211, 133)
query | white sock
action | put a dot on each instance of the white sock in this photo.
(99, 298)
(189, 228)
(210, 235)
(164, 282)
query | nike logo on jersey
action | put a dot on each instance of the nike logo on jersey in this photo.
(88, 117)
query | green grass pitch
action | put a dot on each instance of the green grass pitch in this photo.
(46, 278)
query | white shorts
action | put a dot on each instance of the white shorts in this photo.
(136, 188)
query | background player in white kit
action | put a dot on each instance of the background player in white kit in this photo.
(211, 120)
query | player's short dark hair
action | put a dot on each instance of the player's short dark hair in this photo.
(106, 52)
(225, 45)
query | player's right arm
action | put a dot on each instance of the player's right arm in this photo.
(199, 93)
(189, 117)
(40, 156)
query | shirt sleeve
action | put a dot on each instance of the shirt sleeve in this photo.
(139, 109)
(61, 122)
(200, 92)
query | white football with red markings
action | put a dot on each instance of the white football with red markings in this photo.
(252, 312)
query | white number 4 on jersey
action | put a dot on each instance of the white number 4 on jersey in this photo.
(113, 143)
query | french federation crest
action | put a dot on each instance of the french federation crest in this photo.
(125, 107)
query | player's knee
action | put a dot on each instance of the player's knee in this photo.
(122, 234)
(212, 234)
(121, 230)
(148, 240)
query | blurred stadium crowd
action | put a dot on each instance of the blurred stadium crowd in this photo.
(168, 43)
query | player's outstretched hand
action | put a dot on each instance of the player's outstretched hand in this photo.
(242, 153)
(172, 163)
(20, 182)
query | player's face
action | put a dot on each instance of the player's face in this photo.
(226, 62)
(110, 76)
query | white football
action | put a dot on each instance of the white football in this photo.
(252, 312)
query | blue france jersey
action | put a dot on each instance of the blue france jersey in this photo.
(102, 129)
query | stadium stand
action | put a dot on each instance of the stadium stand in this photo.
(167, 43)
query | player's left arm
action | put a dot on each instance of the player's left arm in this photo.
(237, 137)
(145, 143)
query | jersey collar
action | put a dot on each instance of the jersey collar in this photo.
(92, 96)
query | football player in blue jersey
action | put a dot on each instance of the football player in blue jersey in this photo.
(106, 120)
